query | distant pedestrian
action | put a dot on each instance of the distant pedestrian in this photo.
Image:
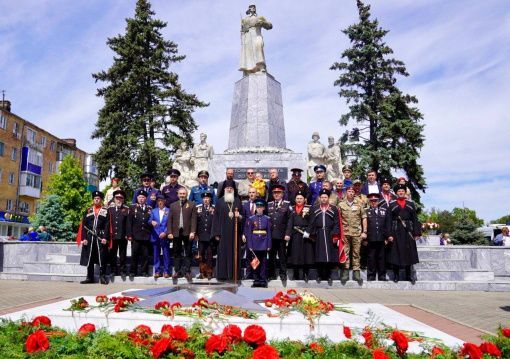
(502, 239)
(43, 235)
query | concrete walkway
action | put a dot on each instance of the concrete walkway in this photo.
(478, 311)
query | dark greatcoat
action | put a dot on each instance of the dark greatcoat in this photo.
(323, 226)
(301, 251)
(94, 252)
(293, 188)
(117, 224)
(138, 226)
(223, 226)
(403, 250)
(204, 222)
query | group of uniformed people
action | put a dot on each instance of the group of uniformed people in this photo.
(323, 225)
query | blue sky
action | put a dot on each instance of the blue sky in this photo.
(456, 52)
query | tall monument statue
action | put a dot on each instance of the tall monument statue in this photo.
(316, 153)
(201, 154)
(334, 161)
(252, 43)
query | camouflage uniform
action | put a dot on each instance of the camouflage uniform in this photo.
(352, 219)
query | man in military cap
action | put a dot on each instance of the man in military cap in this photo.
(274, 180)
(324, 226)
(356, 184)
(347, 172)
(94, 238)
(405, 231)
(118, 214)
(354, 223)
(279, 212)
(257, 231)
(316, 186)
(386, 193)
(159, 240)
(139, 231)
(378, 231)
(171, 189)
(206, 244)
(182, 227)
(196, 192)
(152, 193)
(296, 185)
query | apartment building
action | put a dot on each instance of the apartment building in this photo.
(29, 155)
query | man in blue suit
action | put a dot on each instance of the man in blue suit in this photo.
(196, 192)
(159, 220)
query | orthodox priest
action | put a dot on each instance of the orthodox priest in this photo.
(94, 239)
(325, 228)
(227, 229)
(405, 231)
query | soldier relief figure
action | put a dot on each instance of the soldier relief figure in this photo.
(252, 43)
(316, 153)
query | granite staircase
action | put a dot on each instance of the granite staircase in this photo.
(439, 269)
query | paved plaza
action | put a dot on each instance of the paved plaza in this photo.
(463, 314)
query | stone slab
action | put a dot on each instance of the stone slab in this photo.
(294, 326)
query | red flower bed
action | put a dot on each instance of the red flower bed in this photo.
(86, 329)
(37, 342)
(490, 349)
(472, 351)
(400, 341)
(265, 352)
(255, 335)
(41, 321)
(216, 343)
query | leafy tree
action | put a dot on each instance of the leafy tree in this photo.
(368, 83)
(465, 231)
(70, 187)
(444, 219)
(51, 215)
(458, 213)
(147, 113)
(502, 220)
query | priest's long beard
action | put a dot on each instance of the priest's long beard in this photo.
(229, 197)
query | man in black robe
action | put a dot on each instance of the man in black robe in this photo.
(405, 231)
(227, 217)
(324, 226)
(94, 239)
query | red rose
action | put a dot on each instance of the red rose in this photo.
(369, 339)
(472, 351)
(255, 335)
(400, 341)
(505, 332)
(265, 352)
(435, 352)
(102, 299)
(143, 329)
(86, 328)
(216, 343)
(347, 332)
(379, 354)
(41, 320)
(160, 305)
(491, 349)
(233, 332)
(166, 328)
(160, 347)
(179, 333)
(316, 347)
(37, 342)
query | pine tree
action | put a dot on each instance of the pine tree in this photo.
(70, 187)
(368, 83)
(465, 231)
(51, 215)
(147, 113)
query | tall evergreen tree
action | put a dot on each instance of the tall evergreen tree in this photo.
(147, 113)
(51, 215)
(368, 83)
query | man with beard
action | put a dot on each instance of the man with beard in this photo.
(279, 212)
(405, 231)
(296, 185)
(230, 181)
(227, 229)
(324, 225)
(182, 226)
(117, 227)
(139, 234)
(94, 239)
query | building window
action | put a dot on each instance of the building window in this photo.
(3, 121)
(24, 207)
(2, 148)
(52, 146)
(11, 177)
(35, 157)
(33, 181)
(31, 134)
(50, 167)
(1, 173)
(15, 128)
(14, 154)
(9, 205)
(43, 142)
